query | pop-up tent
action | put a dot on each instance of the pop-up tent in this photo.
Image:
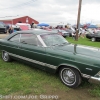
(43, 24)
(92, 26)
(75, 26)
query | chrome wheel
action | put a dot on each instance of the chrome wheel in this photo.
(93, 39)
(5, 56)
(70, 77)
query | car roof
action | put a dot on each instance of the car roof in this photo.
(36, 31)
(33, 31)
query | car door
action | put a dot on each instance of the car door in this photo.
(32, 50)
(53, 56)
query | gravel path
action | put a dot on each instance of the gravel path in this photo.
(3, 35)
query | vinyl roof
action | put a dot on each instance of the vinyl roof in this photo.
(33, 31)
(36, 31)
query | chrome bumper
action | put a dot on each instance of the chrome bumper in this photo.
(94, 80)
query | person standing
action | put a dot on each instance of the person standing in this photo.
(11, 30)
(83, 33)
(7, 29)
(32, 25)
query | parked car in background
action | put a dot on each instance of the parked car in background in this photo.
(49, 51)
(16, 28)
(94, 37)
(63, 33)
(71, 31)
(2, 27)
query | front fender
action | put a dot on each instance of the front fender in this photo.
(68, 65)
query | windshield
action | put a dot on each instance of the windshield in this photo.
(53, 39)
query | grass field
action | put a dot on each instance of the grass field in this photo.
(84, 41)
(17, 78)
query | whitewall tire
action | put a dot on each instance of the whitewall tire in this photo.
(70, 77)
(93, 39)
(5, 56)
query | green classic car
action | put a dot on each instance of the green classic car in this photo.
(49, 51)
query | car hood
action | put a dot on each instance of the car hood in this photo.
(81, 49)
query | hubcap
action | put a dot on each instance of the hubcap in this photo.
(5, 56)
(68, 76)
(93, 39)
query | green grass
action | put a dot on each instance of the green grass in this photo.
(18, 78)
(84, 41)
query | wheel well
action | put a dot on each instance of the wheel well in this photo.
(67, 67)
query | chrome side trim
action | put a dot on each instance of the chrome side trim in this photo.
(59, 57)
(89, 69)
(51, 66)
(34, 61)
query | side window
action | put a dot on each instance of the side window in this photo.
(30, 39)
(15, 38)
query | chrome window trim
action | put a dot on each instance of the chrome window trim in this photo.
(19, 37)
(13, 37)
(42, 42)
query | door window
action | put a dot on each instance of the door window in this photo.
(15, 38)
(30, 39)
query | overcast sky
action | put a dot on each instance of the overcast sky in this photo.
(59, 11)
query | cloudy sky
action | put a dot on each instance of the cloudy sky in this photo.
(56, 11)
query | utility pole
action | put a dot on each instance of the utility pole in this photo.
(78, 20)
